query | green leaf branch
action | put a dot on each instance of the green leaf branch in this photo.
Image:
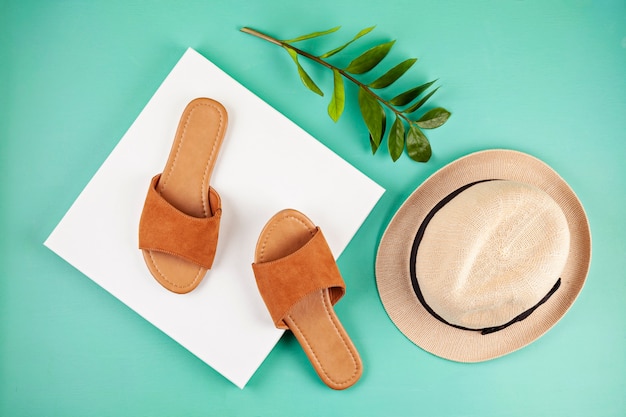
(371, 104)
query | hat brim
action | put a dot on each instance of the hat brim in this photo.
(392, 261)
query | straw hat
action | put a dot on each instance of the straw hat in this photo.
(484, 257)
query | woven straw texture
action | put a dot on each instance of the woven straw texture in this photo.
(478, 268)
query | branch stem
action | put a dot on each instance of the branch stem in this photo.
(258, 34)
(327, 65)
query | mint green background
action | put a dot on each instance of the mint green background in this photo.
(544, 77)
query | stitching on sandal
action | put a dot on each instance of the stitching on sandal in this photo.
(210, 160)
(271, 230)
(162, 275)
(211, 155)
(341, 336)
(180, 145)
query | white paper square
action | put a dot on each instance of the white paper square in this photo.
(267, 163)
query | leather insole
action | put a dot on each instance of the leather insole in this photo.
(184, 183)
(312, 320)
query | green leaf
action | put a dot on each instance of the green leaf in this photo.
(337, 102)
(373, 145)
(306, 80)
(410, 95)
(396, 139)
(373, 108)
(369, 59)
(342, 47)
(433, 118)
(312, 35)
(393, 74)
(417, 145)
(373, 115)
(420, 103)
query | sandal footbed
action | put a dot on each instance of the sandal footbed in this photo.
(311, 318)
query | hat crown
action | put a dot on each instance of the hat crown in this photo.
(491, 253)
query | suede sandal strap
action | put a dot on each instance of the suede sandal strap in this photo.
(164, 228)
(283, 282)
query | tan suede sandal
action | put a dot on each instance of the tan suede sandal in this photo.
(179, 225)
(299, 281)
